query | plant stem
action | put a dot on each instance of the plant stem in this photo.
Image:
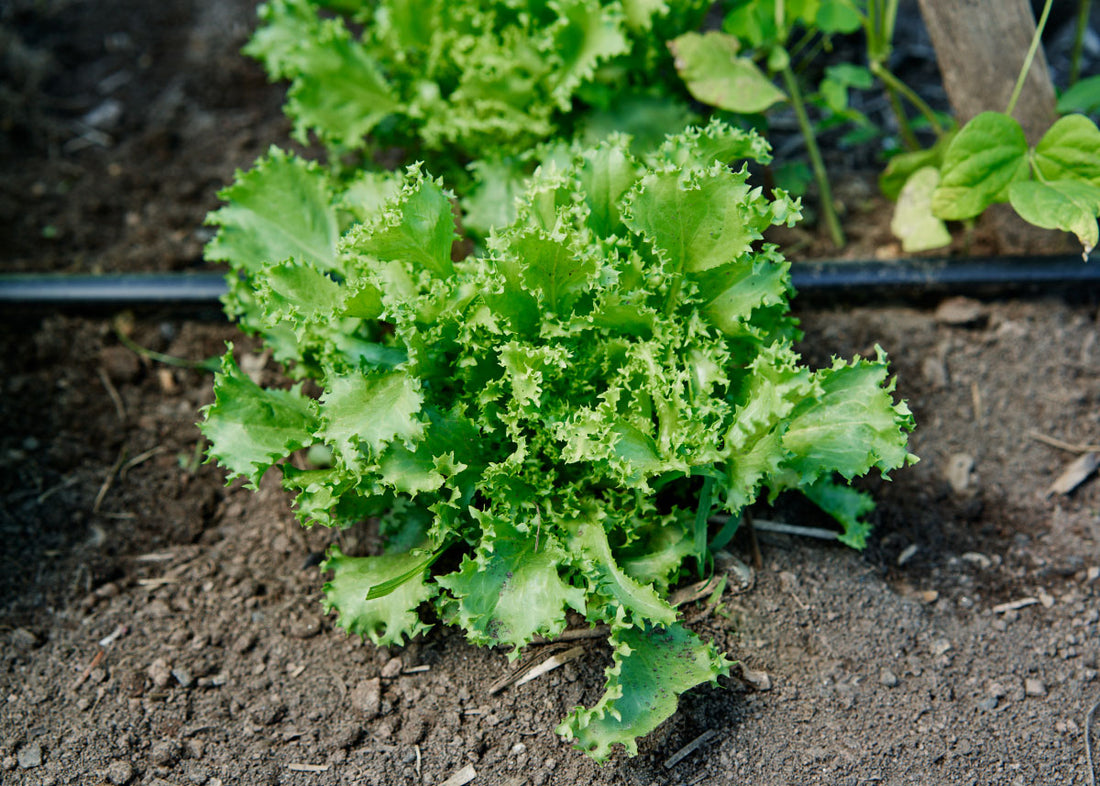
(1079, 41)
(1035, 39)
(828, 210)
(894, 84)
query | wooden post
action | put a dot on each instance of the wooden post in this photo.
(980, 46)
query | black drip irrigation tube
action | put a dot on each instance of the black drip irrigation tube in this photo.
(906, 280)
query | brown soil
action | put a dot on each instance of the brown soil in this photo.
(891, 666)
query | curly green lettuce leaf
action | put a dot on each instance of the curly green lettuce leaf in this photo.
(512, 590)
(369, 411)
(607, 580)
(391, 618)
(851, 426)
(652, 665)
(280, 209)
(416, 226)
(250, 428)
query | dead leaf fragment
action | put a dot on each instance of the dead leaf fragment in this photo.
(1075, 474)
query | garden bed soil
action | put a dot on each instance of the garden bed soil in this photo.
(159, 627)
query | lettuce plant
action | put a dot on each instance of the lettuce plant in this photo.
(460, 81)
(548, 425)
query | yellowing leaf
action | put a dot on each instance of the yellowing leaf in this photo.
(913, 222)
(715, 75)
(1069, 205)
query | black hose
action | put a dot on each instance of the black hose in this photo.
(830, 280)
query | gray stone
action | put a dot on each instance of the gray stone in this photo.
(30, 756)
(120, 772)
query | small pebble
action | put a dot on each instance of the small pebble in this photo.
(183, 677)
(165, 753)
(120, 772)
(1034, 687)
(888, 678)
(30, 756)
(392, 668)
(940, 647)
(988, 704)
(22, 639)
(759, 680)
(159, 673)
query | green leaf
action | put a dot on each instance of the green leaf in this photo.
(1082, 97)
(360, 410)
(845, 504)
(913, 222)
(987, 155)
(280, 209)
(251, 428)
(852, 426)
(586, 34)
(652, 666)
(701, 224)
(1070, 150)
(387, 620)
(902, 166)
(513, 589)
(607, 174)
(1069, 205)
(838, 16)
(742, 287)
(552, 269)
(592, 554)
(338, 90)
(715, 75)
(417, 226)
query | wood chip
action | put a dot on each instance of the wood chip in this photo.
(295, 767)
(551, 663)
(1013, 605)
(697, 591)
(156, 582)
(462, 777)
(1075, 474)
(417, 669)
(544, 661)
(1062, 444)
(690, 748)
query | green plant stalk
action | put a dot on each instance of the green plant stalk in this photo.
(1079, 41)
(1035, 39)
(828, 210)
(893, 84)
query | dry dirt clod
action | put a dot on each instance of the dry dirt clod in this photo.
(119, 772)
(888, 678)
(960, 312)
(958, 471)
(165, 753)
(366, 697)
(160, 673)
